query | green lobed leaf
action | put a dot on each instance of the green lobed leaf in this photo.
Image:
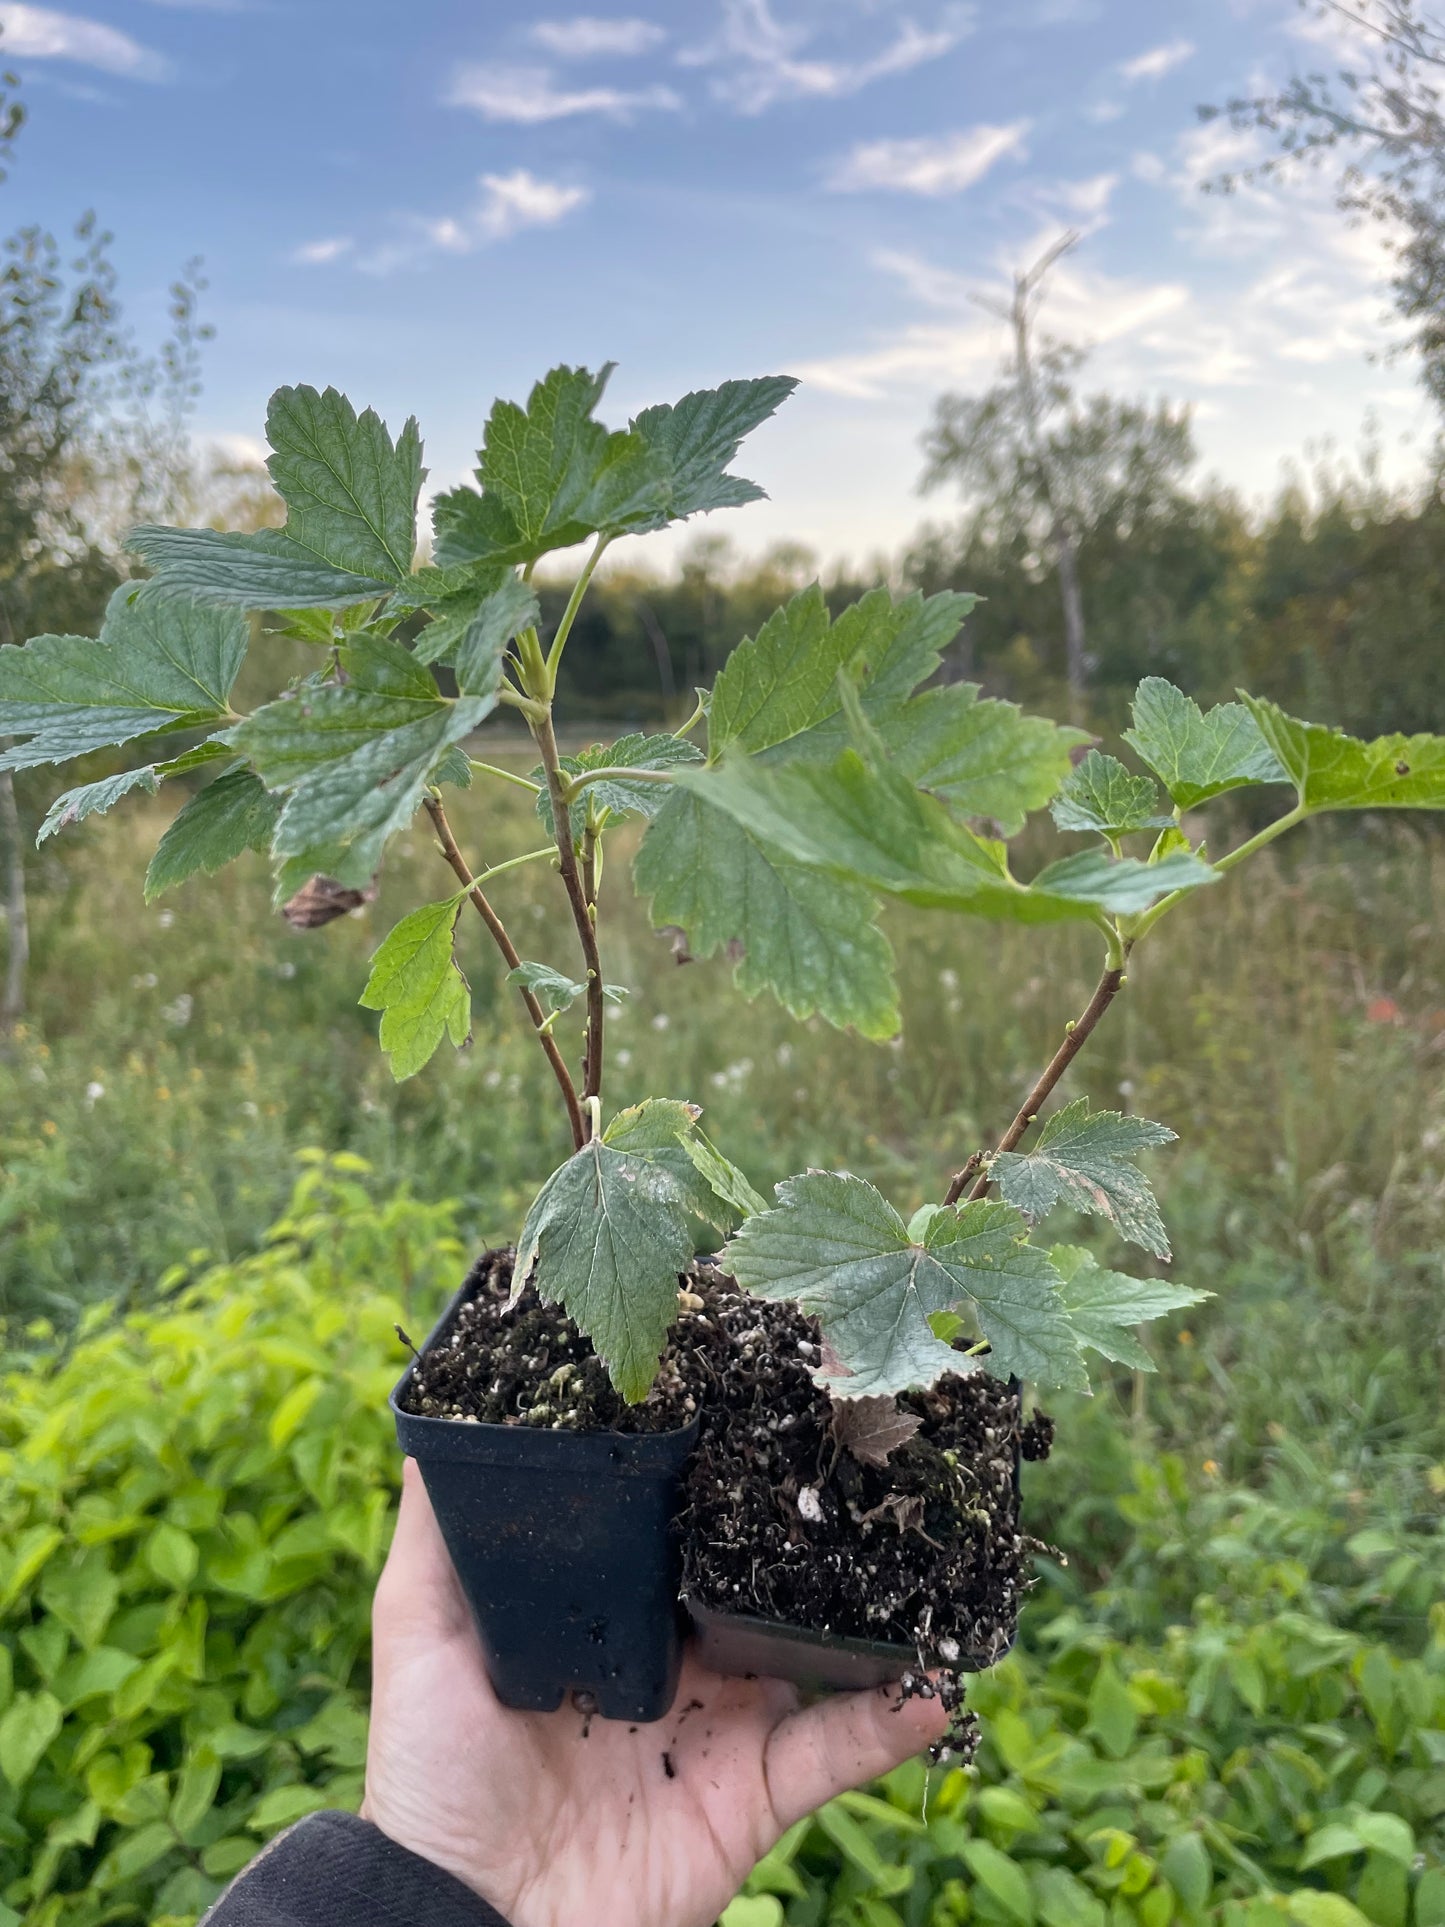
(350, 533)
(1197, 755)
(722, 1176)
(616, 793)
(471, 620)
(550, 475)
(354, 758)
(481, 649)
(350, 494)
(1085, 1160)
(609, 1235)
(781, 686)
(835, 1246)
(1104, 1306)
(781, 682)
(1102, 795)
(1332, 771)
(691, 442)
(657, 1129)
(94, 799)
(868, 826)
(156, 666)
(266, 570)
(982, 757)
(416, 985)
(664, 1131)
(553, 991)
(224, 820)
(803, 935)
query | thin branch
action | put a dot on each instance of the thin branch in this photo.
(582, 913)
(509, 950)
(1075, 1036)
(590, 877)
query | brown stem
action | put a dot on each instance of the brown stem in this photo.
(595, 1005)
(583, 914)
(509, 950)
(1074, 1039)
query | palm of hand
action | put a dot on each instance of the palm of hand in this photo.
(556, 1821)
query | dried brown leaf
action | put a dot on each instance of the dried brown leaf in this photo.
(872, 1429)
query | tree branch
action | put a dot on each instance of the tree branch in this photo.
(509, 950)
(1075, 1036)
(583, 913)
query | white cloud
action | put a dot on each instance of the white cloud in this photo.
(507, 204)
(529, 96)
(511, 202)
(38, 33)
(587, 38)
(318, 254)
(1085, 203)
(965, 347)
(763, 61)
(1158, 61)
(944, 165)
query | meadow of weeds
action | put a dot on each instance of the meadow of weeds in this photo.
(1229, 1702)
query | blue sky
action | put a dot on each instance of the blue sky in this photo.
(430, 205)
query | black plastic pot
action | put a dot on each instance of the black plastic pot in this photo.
(743, 1646)
(565, 1547)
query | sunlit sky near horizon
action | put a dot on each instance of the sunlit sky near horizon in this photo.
(430, 206)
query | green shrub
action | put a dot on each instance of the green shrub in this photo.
(195, 1504)
(1247, 1726)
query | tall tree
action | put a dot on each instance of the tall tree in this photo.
(1042, 468)
(1378, 122)
(92, 438)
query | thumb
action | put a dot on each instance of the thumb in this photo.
(418, 1596)
(823, 1750)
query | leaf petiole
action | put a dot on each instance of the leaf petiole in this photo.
(569, 614)
(507, 775)
(1246, 850)
(613, 773)
(513, 863)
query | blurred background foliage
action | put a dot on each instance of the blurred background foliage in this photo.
(1228, 1703)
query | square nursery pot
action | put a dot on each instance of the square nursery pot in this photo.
(565, 1546)
(743, 1645)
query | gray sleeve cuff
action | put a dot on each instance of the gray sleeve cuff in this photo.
(335, 1870)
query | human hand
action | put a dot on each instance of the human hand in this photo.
(554, 1821)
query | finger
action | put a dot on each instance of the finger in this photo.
(418, 1595)
(825, 1749)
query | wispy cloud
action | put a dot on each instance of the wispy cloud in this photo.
(38, 33)
(961, 346)
(506, 204)
(1157, 61)
(585, 37)
(528, 96)
(762, 61)
(1087, 201)
(945, 165)
(320, 254)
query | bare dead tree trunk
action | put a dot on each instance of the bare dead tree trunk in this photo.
(1061, 535)
(17, 921)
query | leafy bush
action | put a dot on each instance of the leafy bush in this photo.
(194, 1501)
(193, 1505)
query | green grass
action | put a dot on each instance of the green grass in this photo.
(176, 1057)
(1233, 1659)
